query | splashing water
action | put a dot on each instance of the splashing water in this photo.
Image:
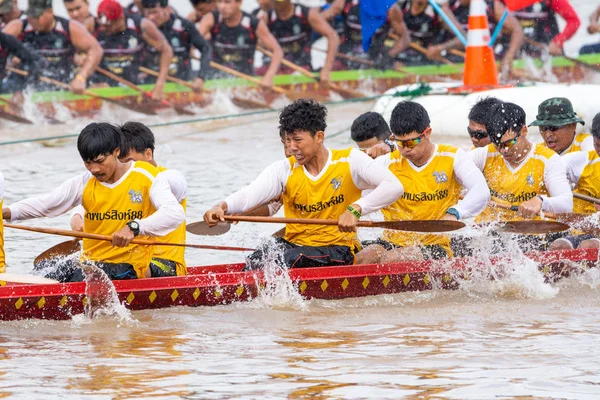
(102, 296)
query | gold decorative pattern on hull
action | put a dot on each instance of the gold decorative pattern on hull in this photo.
(324, 285)
(345, 283)
(152, 296)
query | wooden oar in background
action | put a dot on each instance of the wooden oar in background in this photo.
(11, 116)
(117, 78)
(130, 106)
(363, 61)
(346, 93)
(95, 236)
(25, 278)
(423, 50)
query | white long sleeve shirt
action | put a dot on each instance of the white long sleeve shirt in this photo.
(555, 179)
(468, 175)
(168, 216)
(366, 174)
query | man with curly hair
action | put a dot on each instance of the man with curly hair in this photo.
(316, 182)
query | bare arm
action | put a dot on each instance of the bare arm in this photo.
(594, 25)
(154, 37)
(512, 26)
(397, 22)
(269, 41)
(206, 24)
(321, 26)
(14, 28)
(84, 42)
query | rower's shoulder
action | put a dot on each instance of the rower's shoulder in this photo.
(543, 151)
(447, 150)
(146, 169)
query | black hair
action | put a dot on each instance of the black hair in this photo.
(596, 126)
(136, 136)
(481, 110)
(369, 125)
(408, 117)
(70, 1)
(303, 115)
(196, 2)
(504, 117)
(155, 3)
(97, 139)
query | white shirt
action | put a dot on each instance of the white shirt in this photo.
(168, 216)
(468, 175)
(366, 174)
(555, 179)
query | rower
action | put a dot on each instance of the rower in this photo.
(201, 8)
(125, 39)
(477, 117)
(134, 8)
(520, 173)
(124, 200)
(593, 28)
(79, 10)
(540, 25)
(557, 123)
(292, 26)
(2, 254)
(57, 39)
(138, 145)
(9, 11)
(317, 183)
(433, 176)
(369, 131)
(182, 35)
(583, 171)
(382, 50)
(234, 35)
(10, 46)
(494, 10)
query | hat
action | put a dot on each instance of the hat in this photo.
(556, 111)
(109, 10)
(37, 7)
(6, 6)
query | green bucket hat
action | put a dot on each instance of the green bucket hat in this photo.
(556, 111)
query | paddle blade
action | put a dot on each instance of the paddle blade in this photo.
(25, 278)
(60, 250)
(535, 227)
(201, 228)
(422, 225)
(14, 117)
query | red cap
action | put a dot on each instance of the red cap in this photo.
(110, 9)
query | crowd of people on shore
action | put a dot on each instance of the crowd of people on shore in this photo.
(151, 34)
(398, 169)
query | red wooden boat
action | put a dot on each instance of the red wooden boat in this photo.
(224, 284)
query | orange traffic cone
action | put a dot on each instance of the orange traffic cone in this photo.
(480, 64)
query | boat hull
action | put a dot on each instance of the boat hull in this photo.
(225, 284)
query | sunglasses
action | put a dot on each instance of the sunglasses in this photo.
(549, 128)
(479, 134)
(506, 145)
(409, 143)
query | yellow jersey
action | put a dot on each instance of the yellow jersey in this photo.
(588, 184)
(109, 207)
(173, 253)
(325, 196)
(2, 254)
(429, 191)
(513, 186)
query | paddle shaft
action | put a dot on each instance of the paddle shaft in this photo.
(309, 74)
(423, 50)
(362, 61)
(249, 78)
(586, 198)
(169, 77)
(516, 208)
(304, 221)
(96, 236)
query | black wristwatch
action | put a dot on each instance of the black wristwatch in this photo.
(135, 227)
(391, 144)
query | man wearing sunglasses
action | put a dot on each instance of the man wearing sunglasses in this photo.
(557, 122)
(583, 171)
(433, 176)
(519, 172)
(477, 117)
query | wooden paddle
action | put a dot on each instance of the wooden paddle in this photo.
(408, 226)
(423, 50)
(117, 78)
(95, 236)
(346, 93)
(586, 198)
(532, 226)
(593, 67)
(363, 61)
(202, 228)
(12, 117)
(60, 250)
(130, 106)
(25, 278)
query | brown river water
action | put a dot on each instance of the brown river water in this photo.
(516, 337)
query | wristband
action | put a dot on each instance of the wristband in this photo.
(80, 78)
(453, 211)
(354, 212)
